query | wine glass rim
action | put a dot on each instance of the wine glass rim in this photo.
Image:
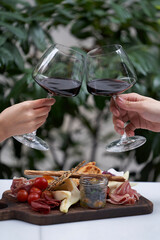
(114, 48)
(65, 47)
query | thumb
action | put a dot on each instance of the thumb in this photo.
(129, 105)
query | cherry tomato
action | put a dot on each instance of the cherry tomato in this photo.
(33, 196)
(41, 183)
(35, 190)
(22, 195)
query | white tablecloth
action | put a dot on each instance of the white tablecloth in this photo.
(142, 227)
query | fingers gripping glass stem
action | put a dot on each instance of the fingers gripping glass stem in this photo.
(125, 143)
(31, 140)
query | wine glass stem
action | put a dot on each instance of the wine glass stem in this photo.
(124, 136)
(34, 132)
(31, 135)
(49, 95)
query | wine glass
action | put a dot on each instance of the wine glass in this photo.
(59, 72)
(109, 73)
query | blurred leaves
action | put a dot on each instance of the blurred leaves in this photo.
(37, 36)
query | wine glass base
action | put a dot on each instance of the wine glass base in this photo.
(32, 142)
(129, 144)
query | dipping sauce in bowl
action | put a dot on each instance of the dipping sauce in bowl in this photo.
(93, 191)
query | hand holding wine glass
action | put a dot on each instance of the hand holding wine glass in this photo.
(24, 117)
(32, 120)
(109, 73)
(141, 112)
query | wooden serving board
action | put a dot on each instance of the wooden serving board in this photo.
(10, 208)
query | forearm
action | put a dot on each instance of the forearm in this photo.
(3, 131)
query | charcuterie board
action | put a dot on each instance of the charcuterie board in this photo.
(10, 208)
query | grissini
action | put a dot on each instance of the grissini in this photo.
(73, 175)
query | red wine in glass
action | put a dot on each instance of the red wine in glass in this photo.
(60, 87)
(107, 87)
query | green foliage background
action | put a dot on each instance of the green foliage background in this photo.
(26, 31)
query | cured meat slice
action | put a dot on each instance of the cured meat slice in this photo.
(21, 183)
(40, 206)
(43, 205)
(124, 199)
(124, 194)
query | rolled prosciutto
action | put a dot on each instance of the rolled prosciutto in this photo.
(124, 194)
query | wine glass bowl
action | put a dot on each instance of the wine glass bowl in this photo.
(109, 73)
(60, 71)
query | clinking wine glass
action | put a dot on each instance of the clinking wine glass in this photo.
(109, 73)
(59, 72)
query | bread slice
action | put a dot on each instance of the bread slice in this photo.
(89, 168)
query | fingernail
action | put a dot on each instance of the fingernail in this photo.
(120, 99)
(54, 100)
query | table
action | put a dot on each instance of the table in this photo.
(133, 228)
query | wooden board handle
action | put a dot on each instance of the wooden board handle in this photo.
(74, 175)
